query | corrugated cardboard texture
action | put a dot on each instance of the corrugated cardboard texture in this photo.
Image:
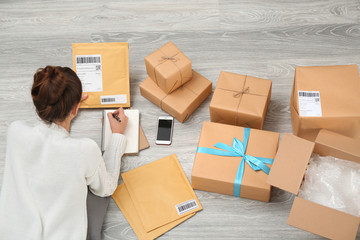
(324, 221)
(156, 188)
(339, 88)
(168, 67)
(115, 71)
(183, 101)
(217, 173)
(122, 198)
(240, 100)
(290, 163)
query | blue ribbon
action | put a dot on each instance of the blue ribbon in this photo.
(238, 149)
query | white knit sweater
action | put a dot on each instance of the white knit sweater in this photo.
(44, 189)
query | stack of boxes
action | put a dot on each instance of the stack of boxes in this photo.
(172, 85)
(236, 157)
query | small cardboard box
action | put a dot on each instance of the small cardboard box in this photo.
(168, 67)
(218, 174)
(288, 172)
(183, 101)
(103, 69)
(240, 100)
(326, 97)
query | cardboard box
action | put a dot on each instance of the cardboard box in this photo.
(168, 67)
(240, 100)
(183, 101)
(288, 172)
(103, 69)
(326, 97)
(216, 173)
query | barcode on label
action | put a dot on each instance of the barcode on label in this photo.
(309, 94)
(95, 59)
(186, 206)
(114, 99)
(106, 100)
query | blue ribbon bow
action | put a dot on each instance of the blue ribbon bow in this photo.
(238, 149)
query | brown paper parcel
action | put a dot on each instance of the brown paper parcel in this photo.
(240, 100)
(122, 198)
(288, 172)
(339, 99)
(217, 173)
(183, 101)
(168, 67)
(114, 69)
(160, 192)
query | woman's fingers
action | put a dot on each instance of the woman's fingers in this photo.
(84, 97)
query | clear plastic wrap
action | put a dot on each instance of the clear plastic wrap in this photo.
(334, 183)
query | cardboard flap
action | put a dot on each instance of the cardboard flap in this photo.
(290, 163)
(336, 145)
(322, 220)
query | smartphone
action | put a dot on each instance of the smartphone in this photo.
(164, 130)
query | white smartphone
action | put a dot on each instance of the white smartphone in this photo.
(164, 130)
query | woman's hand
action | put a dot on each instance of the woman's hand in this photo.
(84, 97)
(116, 126)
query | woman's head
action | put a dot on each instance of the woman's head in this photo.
(55, 91)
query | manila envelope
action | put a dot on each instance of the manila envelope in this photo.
(103, 69)
(240, 100)
(182, 102)
(168, 67)
(122, 198)
(217, 173)
(160, 192)
(338, 103)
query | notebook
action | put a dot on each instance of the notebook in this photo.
(131, 131)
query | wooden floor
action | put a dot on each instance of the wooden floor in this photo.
(266, 39)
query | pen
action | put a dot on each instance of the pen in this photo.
(116, 117)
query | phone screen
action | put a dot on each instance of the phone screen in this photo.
(164, 130)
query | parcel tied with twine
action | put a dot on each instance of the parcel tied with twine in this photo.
(240, 100)
(234, 160)
(182, 102)
(168, 67)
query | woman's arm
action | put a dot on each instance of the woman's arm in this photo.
(105, 179)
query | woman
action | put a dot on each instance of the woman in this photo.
(47, 172)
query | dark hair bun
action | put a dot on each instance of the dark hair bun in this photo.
(54, 92)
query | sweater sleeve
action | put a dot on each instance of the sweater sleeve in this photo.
(104, 180)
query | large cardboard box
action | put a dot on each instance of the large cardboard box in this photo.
(183, 101)
(103, 69)
(168, 67)
(232, 174)
(240, 100)
(288, 172)
(326, 97)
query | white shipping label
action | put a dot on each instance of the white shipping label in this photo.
(89, 70)
(114, 99)
(186, 206)
(309, 104)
